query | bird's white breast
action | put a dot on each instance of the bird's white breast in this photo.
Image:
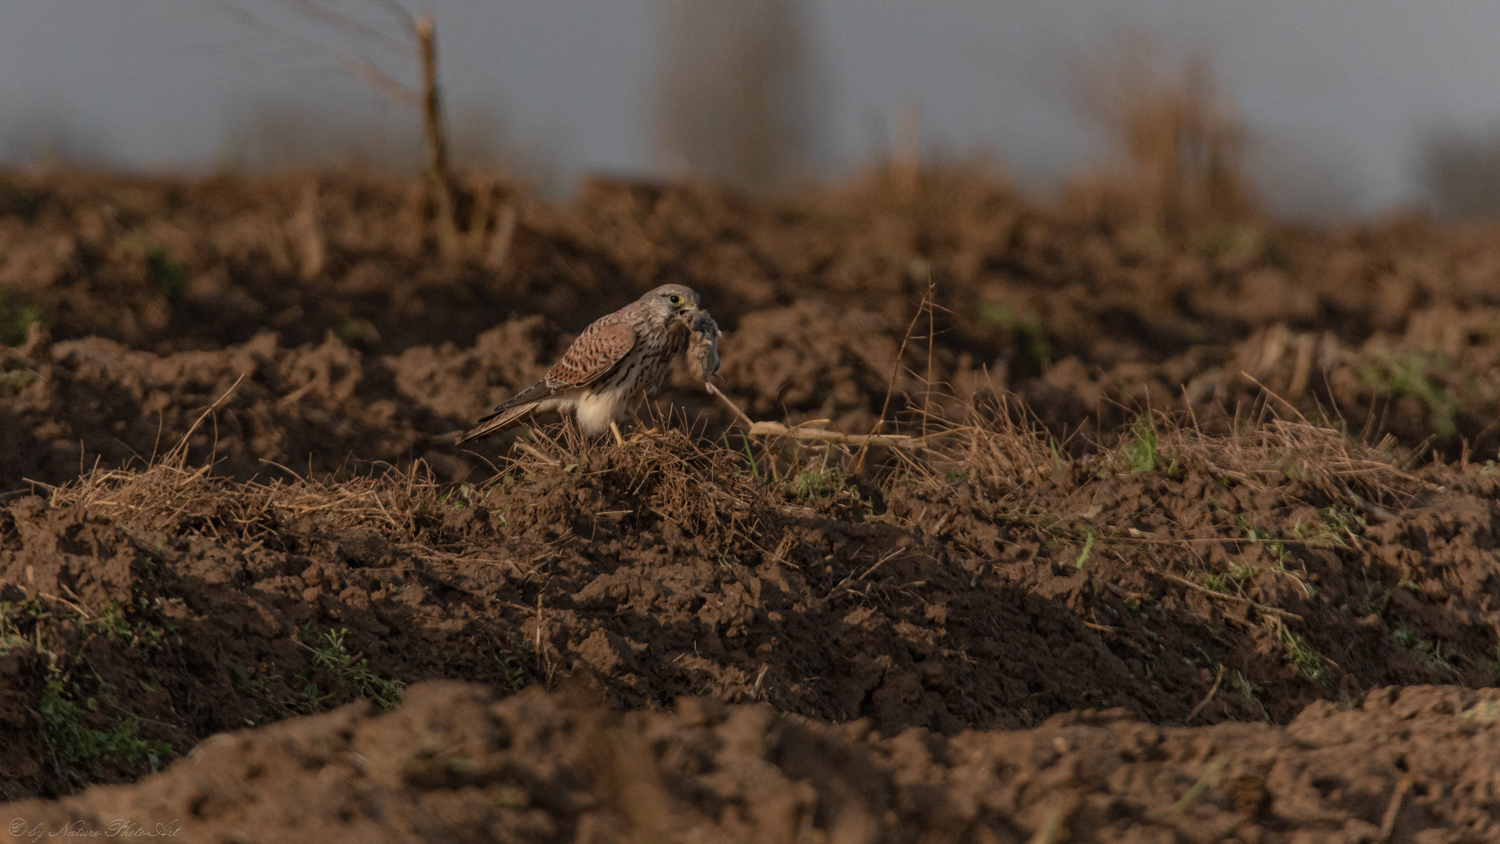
(597, 409)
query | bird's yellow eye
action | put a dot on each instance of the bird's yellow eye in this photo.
(676, 300)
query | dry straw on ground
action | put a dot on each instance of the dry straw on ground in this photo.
(717, 490)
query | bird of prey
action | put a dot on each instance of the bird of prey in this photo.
(608, 370)
(703, 345)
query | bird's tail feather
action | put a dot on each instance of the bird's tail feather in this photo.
(498, 422)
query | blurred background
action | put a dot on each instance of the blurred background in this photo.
(1337, 108)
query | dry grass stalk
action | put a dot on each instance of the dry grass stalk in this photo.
(1228, 597)
(805, 432)
(1181, 140)
(926, 307)
(739, 414)
(1206, 698)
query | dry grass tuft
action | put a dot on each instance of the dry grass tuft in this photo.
(704, 488)
(1181, 140)
(171, 495)
(1002, 448)
(397, 502)
(1277, 451)
(713, 491)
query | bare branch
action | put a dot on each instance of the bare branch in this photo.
(403, 16)
(379, 79)
(353, 65)
(353, 25)
(437, 140)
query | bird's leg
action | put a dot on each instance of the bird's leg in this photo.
(615, 429)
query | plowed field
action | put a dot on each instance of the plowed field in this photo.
(1200, 546)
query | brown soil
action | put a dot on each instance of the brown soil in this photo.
(1391, 328)
(316, 538)
(454, 763)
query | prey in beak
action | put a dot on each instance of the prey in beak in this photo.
(703, 345)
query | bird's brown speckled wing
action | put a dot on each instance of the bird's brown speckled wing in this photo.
(597, 350)
(596, 353)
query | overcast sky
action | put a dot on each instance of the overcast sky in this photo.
(1334, 92)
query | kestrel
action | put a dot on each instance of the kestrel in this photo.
(608, 370)
(703, 345)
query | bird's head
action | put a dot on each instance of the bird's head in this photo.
(670, 300)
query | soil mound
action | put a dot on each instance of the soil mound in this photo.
(164, 605)
(454, 763)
